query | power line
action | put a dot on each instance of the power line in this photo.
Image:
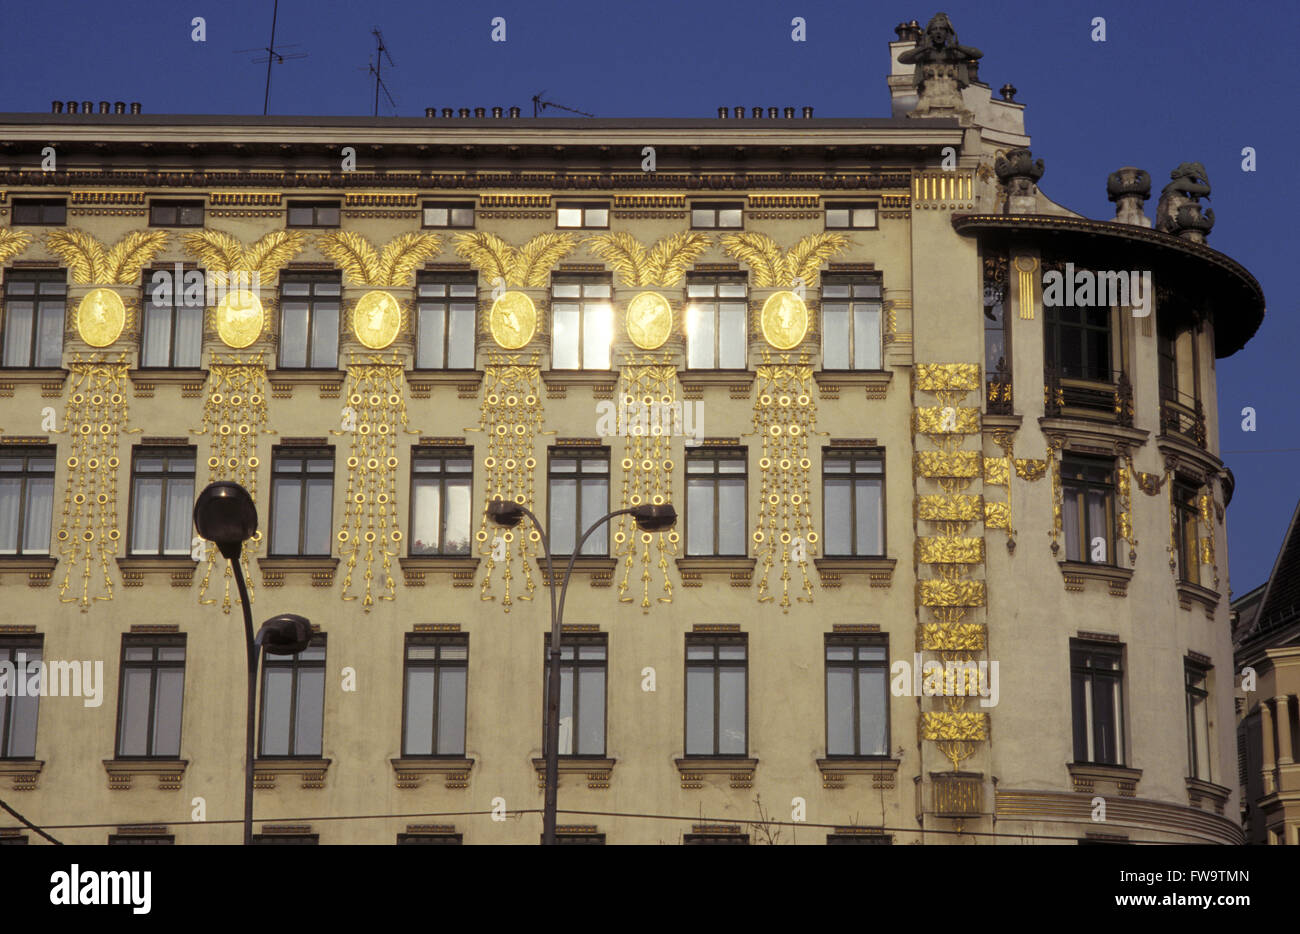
(5, 805)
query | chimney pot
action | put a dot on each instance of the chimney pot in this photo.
(772, 112)
(72, 107)
(447, 112)
(496, 112)
(739, 113)
(807, 113)
(464, 112)
(480, 112)
(119, 107)
(514, 112)
(722, 113)
(87, 107)
(56, 107)
(103, 107)
(135, 107)
(789, 113)
(431, 111)
(757, 113)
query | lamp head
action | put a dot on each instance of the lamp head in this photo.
(286, 634)
(505, 513)
(225, 514)
(654, 518)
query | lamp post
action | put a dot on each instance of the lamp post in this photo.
(225, 515)
(649, 518)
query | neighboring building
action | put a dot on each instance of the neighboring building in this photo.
(1266, 635)
(890, 437)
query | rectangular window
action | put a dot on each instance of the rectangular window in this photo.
(33, 318)
(1186, 516)
(434, 695)
(857, 695)
(583, 661)
(26, 499)
(18, 714)
(302, 500)
(582, 321)
(715, 502)
(1096, 694)
(715, 839)
(1079, 342)
(162, 500)
(40, 212)
(312, 214)
(150, 697)
(430, 839)
(1088, 508)
(579, 839)
(309, 321)
(1198, 720)
(579, 495)
(851, 312)
(448, 214)
(859, 839)
(286, 839)
(173, 329)
(141, 839)
(707, 215)
(293, 702)
(168, 213)
(445, 309)
(716, 313)
(850, 215)
(442, 486)
(717, 699)
(997, 338)
(853, 500)
(582, 214)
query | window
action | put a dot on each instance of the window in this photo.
(717, 703)
(286, 839)
(302, 500)
(1079, 342)
(715, 839)
(997, 337)
(175, 213)
(722, 214)
(1167, 357)
(433, 709)
(442, 484)
(859, 839)
(853, 500)
(40, 212)
(716, 312)
(1186, 514)
(715, 502)
(20, 656)
(1088, 508)
(293, 702)
(141, 839)
(430, 839)
(150, 697)
(26, 500)
(173, 328)
(857, 695)
(34, 310)
(448, 214)
(1197, 678)
(582, 322)
(850, 324)
(13, 839)
(579, 495)
(445, 310)
(1096, 685)
(850, 215)
(309, 321)
(582, 214)
(582, 694)
(578, 838)
(162, 500)
(313, 214)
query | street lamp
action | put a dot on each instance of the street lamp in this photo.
(225, 515)
(650, 517)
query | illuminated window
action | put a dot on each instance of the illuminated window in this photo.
(582, 323)
(715, 323)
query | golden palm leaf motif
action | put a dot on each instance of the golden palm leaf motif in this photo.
(673, 255)
(132, 252)
(624, 253)
(268, 255)
(12, 242)
(85, 257)
(487, 253)
(533, 262)
(353, 254)
(217, 250)
(805, 260)
(221, 253)
(400, 256)
(761, 254)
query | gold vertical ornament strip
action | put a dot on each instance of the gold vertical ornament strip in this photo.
(1206, 507)
(784, 415)
(1025, 282)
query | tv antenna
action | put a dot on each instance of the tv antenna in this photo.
(381, 53)
(273, 57)
(539, 105)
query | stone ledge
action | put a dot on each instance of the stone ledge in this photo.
(23, 774)
(461, 568)
(883, 772)
(320, 570)
(739, 570)
(739, 383)
(878, 571)
(597, 770)
(38, 568)
(602, 382)
(190, 380)
(875, 383)
(1201, 793)
(600, 568)
(310, 770)
(693, 769)
(121, 772)
(1093, 436)
(50, 380)
(423, 382)
(136, 569)
(411, 771)
(1189, 593)
(1077, 573)
(283, 382)
(1085, 777)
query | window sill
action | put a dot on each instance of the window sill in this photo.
(38, 568)
(600, 568)
(411, 771)
(310, 769)
(693, 769)
(874, 382)
(739, 570)
(121, 772)
(23, 774)
(137, 568)
(423, 382)
(1094, 436)
(319, 569)
(1078, 573)
(461, 568)
(878, 571)
(835, 769)
(1188, 454)
(602, 382)
(1201, 793)
(50, 380)
(597, 770)
(740, 383)
(283, 381)
(1086, 776)
(190, 381)
(1189, 593)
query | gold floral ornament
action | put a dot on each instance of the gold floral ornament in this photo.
(89, 263)
(13, 243)
(100, 317)
(503, 265)
(239, 273)
(773, 268)
(234, 416)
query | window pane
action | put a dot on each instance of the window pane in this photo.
(699, 517)
(564, 510)
(1098, 539)
(156, 349)
(133, 728)
(435, 217)
(870, 529)
(325, 335)
(319, 514)
(839, 712)
(276, 688)
(731, 516)
(837, 217)
(729, 217)
(11, 493)
(564, 342)
(310, 713)
(287, 496)
(731, 711)
(40, 510)
(873, 706)
(566, 703)
(1105, 714)
(462, 217)
(591, 711)
(429, 352)
(147, 515)
(189, 336)
(699, 337)
(1070, 502)
(167, 712)
(595, 503)
(699, 711)
(835, 337)
(731, 339)
(460, 346)
(18, 334)
(597, 333)
(457, 534)
(293, 334)
(419, 712)
(451, 712)
(597, 217)
(702, 217)
(49, 340)
(1078, 702)
(22, 710)
(425, 517)
(180, 521)
(838, 517)
(866, 337)
(569, 217)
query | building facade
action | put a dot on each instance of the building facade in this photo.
(950, 558)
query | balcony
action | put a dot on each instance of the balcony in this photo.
(1182, 416)
(1109, 399)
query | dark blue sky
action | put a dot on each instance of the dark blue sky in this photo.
(1174, 82)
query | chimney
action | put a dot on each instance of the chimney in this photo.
(447, 112)
(464, 112)
(772, 112)
(72, 107)
(514, 113)
(807, 113)
(119, 107)
(496, 113)
(56, 107)
(757, 113)
(135, 107)
(87, 107)
(722, 113)
(103, 107)
(789, 113)
(739, 113)
(480, 112)
(430, 112)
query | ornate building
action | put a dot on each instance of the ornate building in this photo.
(925, 430)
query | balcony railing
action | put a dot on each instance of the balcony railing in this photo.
(997, 391)
(1110, 399)
(1182, 415)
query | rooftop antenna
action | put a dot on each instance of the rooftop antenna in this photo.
(381, 52)
(539, 105)
(272, 56)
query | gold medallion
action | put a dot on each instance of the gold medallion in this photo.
(649, 320)
(513, 320)
(100, 317)
(239, 318)
(785, 320)
(377, 319)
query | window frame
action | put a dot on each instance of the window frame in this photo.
(296, 666)
(575, 664)
(174, 309)
(167, 453)
(1053, 328)
(1197, 697)
(716, 208)
(1070, 488)
(851, 207)
(316, 206)
(1082, 651)
(855, 455)
(715, 664)
(312, 280)
(10, 646)
(443, 303)
(26, 474)
(585, 305)
(438, 665)
(713, 306)
(304, 453)
(154, 665)
(714, 479)
(38, 277)
(1186, 519)
(450, 207)
(584, 207)
(853, 283)
(177, 205)
(856, 665)
(44, 204)
(579, 455)
(440, 478)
